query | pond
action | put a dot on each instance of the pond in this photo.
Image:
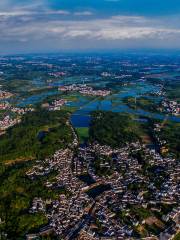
(114, 103)
(37, 98)
(96, 191)
(41, 135)
(86, 178)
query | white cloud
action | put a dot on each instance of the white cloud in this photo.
(15, 13)
(19, 13)
(63, 12)
(84, 13)
(29, 26)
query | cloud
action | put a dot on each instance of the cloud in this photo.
(15, 13)
(48, 27)
(126, 33)
(116, 27)
(61, 12)
(21, 12)
(84, 13)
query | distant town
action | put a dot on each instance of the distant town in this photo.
(85, 90)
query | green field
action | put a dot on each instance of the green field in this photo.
(83, 133)
(142, 103)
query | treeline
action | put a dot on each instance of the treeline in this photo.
(113, 129)
(171, 133)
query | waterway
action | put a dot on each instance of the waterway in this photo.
(114, 102)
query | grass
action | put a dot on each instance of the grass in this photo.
(141, 103)
(142, 231)
(177, 236)
(83, 133)
(69, 109)
(18, 160)
(154, 220)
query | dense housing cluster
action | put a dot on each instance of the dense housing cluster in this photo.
(113, 205)
(85, 90)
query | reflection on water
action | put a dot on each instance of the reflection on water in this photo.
(81, 118)
(36, 98)
(96, 191)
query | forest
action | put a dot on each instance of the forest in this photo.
(113, 129)
(39, 134)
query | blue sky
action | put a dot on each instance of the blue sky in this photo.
(149, 7)
(81, 25)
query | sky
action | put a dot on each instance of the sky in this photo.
(30, 26)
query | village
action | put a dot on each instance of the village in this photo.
(7, 120)
(171, 107)
(91, 208)
(5, 95)
(55, 105)
(84, 89)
